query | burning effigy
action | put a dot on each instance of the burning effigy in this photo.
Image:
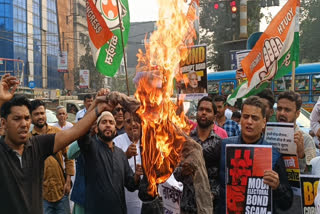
(165, 142)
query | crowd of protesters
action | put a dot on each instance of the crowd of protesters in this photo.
(37, 165)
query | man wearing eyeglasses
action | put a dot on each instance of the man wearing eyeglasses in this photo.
(118, 113)
(129, 142)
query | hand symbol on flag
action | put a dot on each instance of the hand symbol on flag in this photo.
(271, 52)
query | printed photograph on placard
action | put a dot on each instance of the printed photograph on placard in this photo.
(194, 72)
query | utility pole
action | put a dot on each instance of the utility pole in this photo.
(243, 20)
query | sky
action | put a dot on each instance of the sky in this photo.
(273, 11)
(143, 10)
(147, 10)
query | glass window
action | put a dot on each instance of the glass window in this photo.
(302, 83)
(316, 82)
(7, 10)
(15, 12)
(315, 98)
(279, 85)
(227, 87)
(1, 10)
(305, 98)
(282, 84)
(288, 82)
(213, 87)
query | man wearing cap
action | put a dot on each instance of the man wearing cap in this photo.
(107, 170)
(22, 158)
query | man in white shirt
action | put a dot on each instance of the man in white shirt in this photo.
(315, 119)
(62, 117)
(288, 110)
(129, 142)
(88, 99)
(63, 124)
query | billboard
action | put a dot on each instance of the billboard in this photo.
(84, 78)
(63, 62)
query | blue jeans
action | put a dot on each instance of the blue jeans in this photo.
(60, 207)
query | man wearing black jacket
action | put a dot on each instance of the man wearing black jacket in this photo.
(253, 121)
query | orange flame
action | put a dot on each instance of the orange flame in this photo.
(161, 143)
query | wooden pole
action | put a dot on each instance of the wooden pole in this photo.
(293, 75)
(124, 54)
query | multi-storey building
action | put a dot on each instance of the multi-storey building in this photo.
(29, 32)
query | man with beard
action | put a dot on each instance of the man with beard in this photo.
(22, 158)
(107, 170)
(288, 110)
(211, 145)
(56, 179)
(253, 120)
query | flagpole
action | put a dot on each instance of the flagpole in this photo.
(124, 54)
(293, 75)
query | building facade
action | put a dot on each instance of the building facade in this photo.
(29, 32)
(81, 34)
(66, 32)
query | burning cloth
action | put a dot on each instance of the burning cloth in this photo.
(184, 149)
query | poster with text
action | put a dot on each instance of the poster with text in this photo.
(245, 189)
(171, 193)
(309, 188)
(194, 72)
(280, 136)
(291, 163)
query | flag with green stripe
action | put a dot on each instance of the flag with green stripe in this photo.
(274, 53)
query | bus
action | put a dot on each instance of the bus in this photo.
(307, 83)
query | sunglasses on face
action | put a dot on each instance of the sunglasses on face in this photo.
(118, 109)
(130, 120)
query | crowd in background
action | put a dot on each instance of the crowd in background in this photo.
(93, 165)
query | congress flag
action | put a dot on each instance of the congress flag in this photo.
(105, 33)
(273, 54)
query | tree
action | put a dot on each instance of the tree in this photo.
(97, 79)
(216, 28)
(119, 83)
(310, 31)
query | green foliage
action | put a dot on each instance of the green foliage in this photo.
(254, 16)
(119, 83)
(310, 31)
(216, 28)
(86, 62)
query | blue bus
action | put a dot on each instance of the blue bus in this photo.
(307, 83)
